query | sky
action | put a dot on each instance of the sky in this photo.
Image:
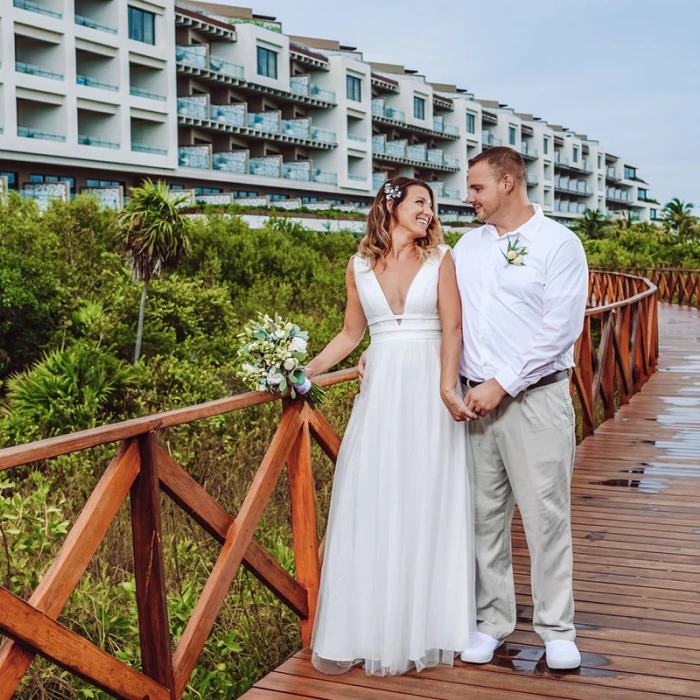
(624, 72)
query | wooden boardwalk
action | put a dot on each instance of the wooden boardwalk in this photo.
(636, 527)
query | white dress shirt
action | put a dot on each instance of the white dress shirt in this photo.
(520, 323)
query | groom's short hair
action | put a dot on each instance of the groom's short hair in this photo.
(503, 161)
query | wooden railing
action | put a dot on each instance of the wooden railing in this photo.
(623, 311)
(674, 285)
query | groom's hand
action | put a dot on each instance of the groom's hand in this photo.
(485, 397)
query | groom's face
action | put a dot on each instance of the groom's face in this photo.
(484, 191)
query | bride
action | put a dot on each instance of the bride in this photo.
(397, 579)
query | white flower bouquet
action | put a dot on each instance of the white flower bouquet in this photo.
(271, 358)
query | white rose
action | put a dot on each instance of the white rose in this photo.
(511, 255)
(518, 260)
(291, 364)
(274, 377)
(247, 367)
(298, 345)
(280, 334)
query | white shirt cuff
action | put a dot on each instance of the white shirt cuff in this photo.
(510, 381)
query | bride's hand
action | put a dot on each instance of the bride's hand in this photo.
(361, 366)
(455, 405)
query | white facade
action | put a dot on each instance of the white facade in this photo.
(215, 98)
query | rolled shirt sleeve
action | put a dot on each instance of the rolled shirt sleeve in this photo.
(565, 297)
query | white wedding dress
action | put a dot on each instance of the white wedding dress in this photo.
(397, 584)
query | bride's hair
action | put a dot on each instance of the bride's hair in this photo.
(376, 243)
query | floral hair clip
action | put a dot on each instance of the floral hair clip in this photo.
(392, 192)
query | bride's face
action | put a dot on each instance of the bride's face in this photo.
(415, 211)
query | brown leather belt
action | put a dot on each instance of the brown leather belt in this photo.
(559, 376)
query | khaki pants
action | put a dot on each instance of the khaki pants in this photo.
(523, 451)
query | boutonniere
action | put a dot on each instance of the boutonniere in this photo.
(515, 253)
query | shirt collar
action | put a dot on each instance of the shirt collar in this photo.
(528, 230)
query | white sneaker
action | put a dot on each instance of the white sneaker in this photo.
(562, 654)
(482, 651)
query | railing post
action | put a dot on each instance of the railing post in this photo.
(149, 571)
(608, 359)
(304, 529)
(586, 360)
(623, 327)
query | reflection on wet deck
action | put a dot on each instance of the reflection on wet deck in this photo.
(636, 529)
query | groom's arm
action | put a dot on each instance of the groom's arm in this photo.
(565, 297)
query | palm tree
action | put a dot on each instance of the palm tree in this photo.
(592, 224)
(678, 216)
(152, 233)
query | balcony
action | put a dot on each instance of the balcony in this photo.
(194, 157)
(528, 152)
(268, 166)
(489, 118)
(397, 118)
(357, 178)
(532, 180)
(297, 128)
(562, 162)
(355, 137)
(378, 179)
(39, 9)
(299, 170)
(440, 126)
(148, 94)
(144, 148)
(323, 136)
(565, 207)
(219, 65)
(231, 162)
(269, 122)
(452, 193)
(91, 82)
(325, 177)
(616, 195)
(31, 69)
(29, 133)
(87, 22)
(577, 187)
(324, 95)
(234, 114)
(489, 140)
(398, 151)
(84, 140)
(612, 174)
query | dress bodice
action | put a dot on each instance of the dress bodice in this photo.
(420, 317)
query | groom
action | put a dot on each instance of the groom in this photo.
(523, 281)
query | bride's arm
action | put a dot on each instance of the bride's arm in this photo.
(450, 311)
(351, 335)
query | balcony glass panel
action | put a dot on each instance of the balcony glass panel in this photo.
(231, 162)
(321, 94)
(299, 170)
(194, 157)
(528, 150)
(269, 122)
(435, 156)
(355, 137)
(450, 129)
(396, 148)
(378, 107)
(229, 114)
(195, 106)
(395, 114)
(438, 123)
(33, 7)
(297, 128)
(357, 178)
(452, 193)
(29, 133)
(91, 82)
(450, 161)
(378, 179)
(140, 92)
(87, 22)
(417, 152)
(325, 177)
(323, 135)
(226, 67)
(144, 148)
(299, 85)
(195, 56)
(378, 143)
(100, 143)
(31, 69)
(269, 166)
(438, 188)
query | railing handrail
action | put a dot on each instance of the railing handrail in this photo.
(28, 452)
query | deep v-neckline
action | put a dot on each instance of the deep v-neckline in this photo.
(397, 317)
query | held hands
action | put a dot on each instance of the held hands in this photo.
(485, 397)
(456, 406)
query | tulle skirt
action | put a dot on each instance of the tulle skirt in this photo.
(397, 584)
